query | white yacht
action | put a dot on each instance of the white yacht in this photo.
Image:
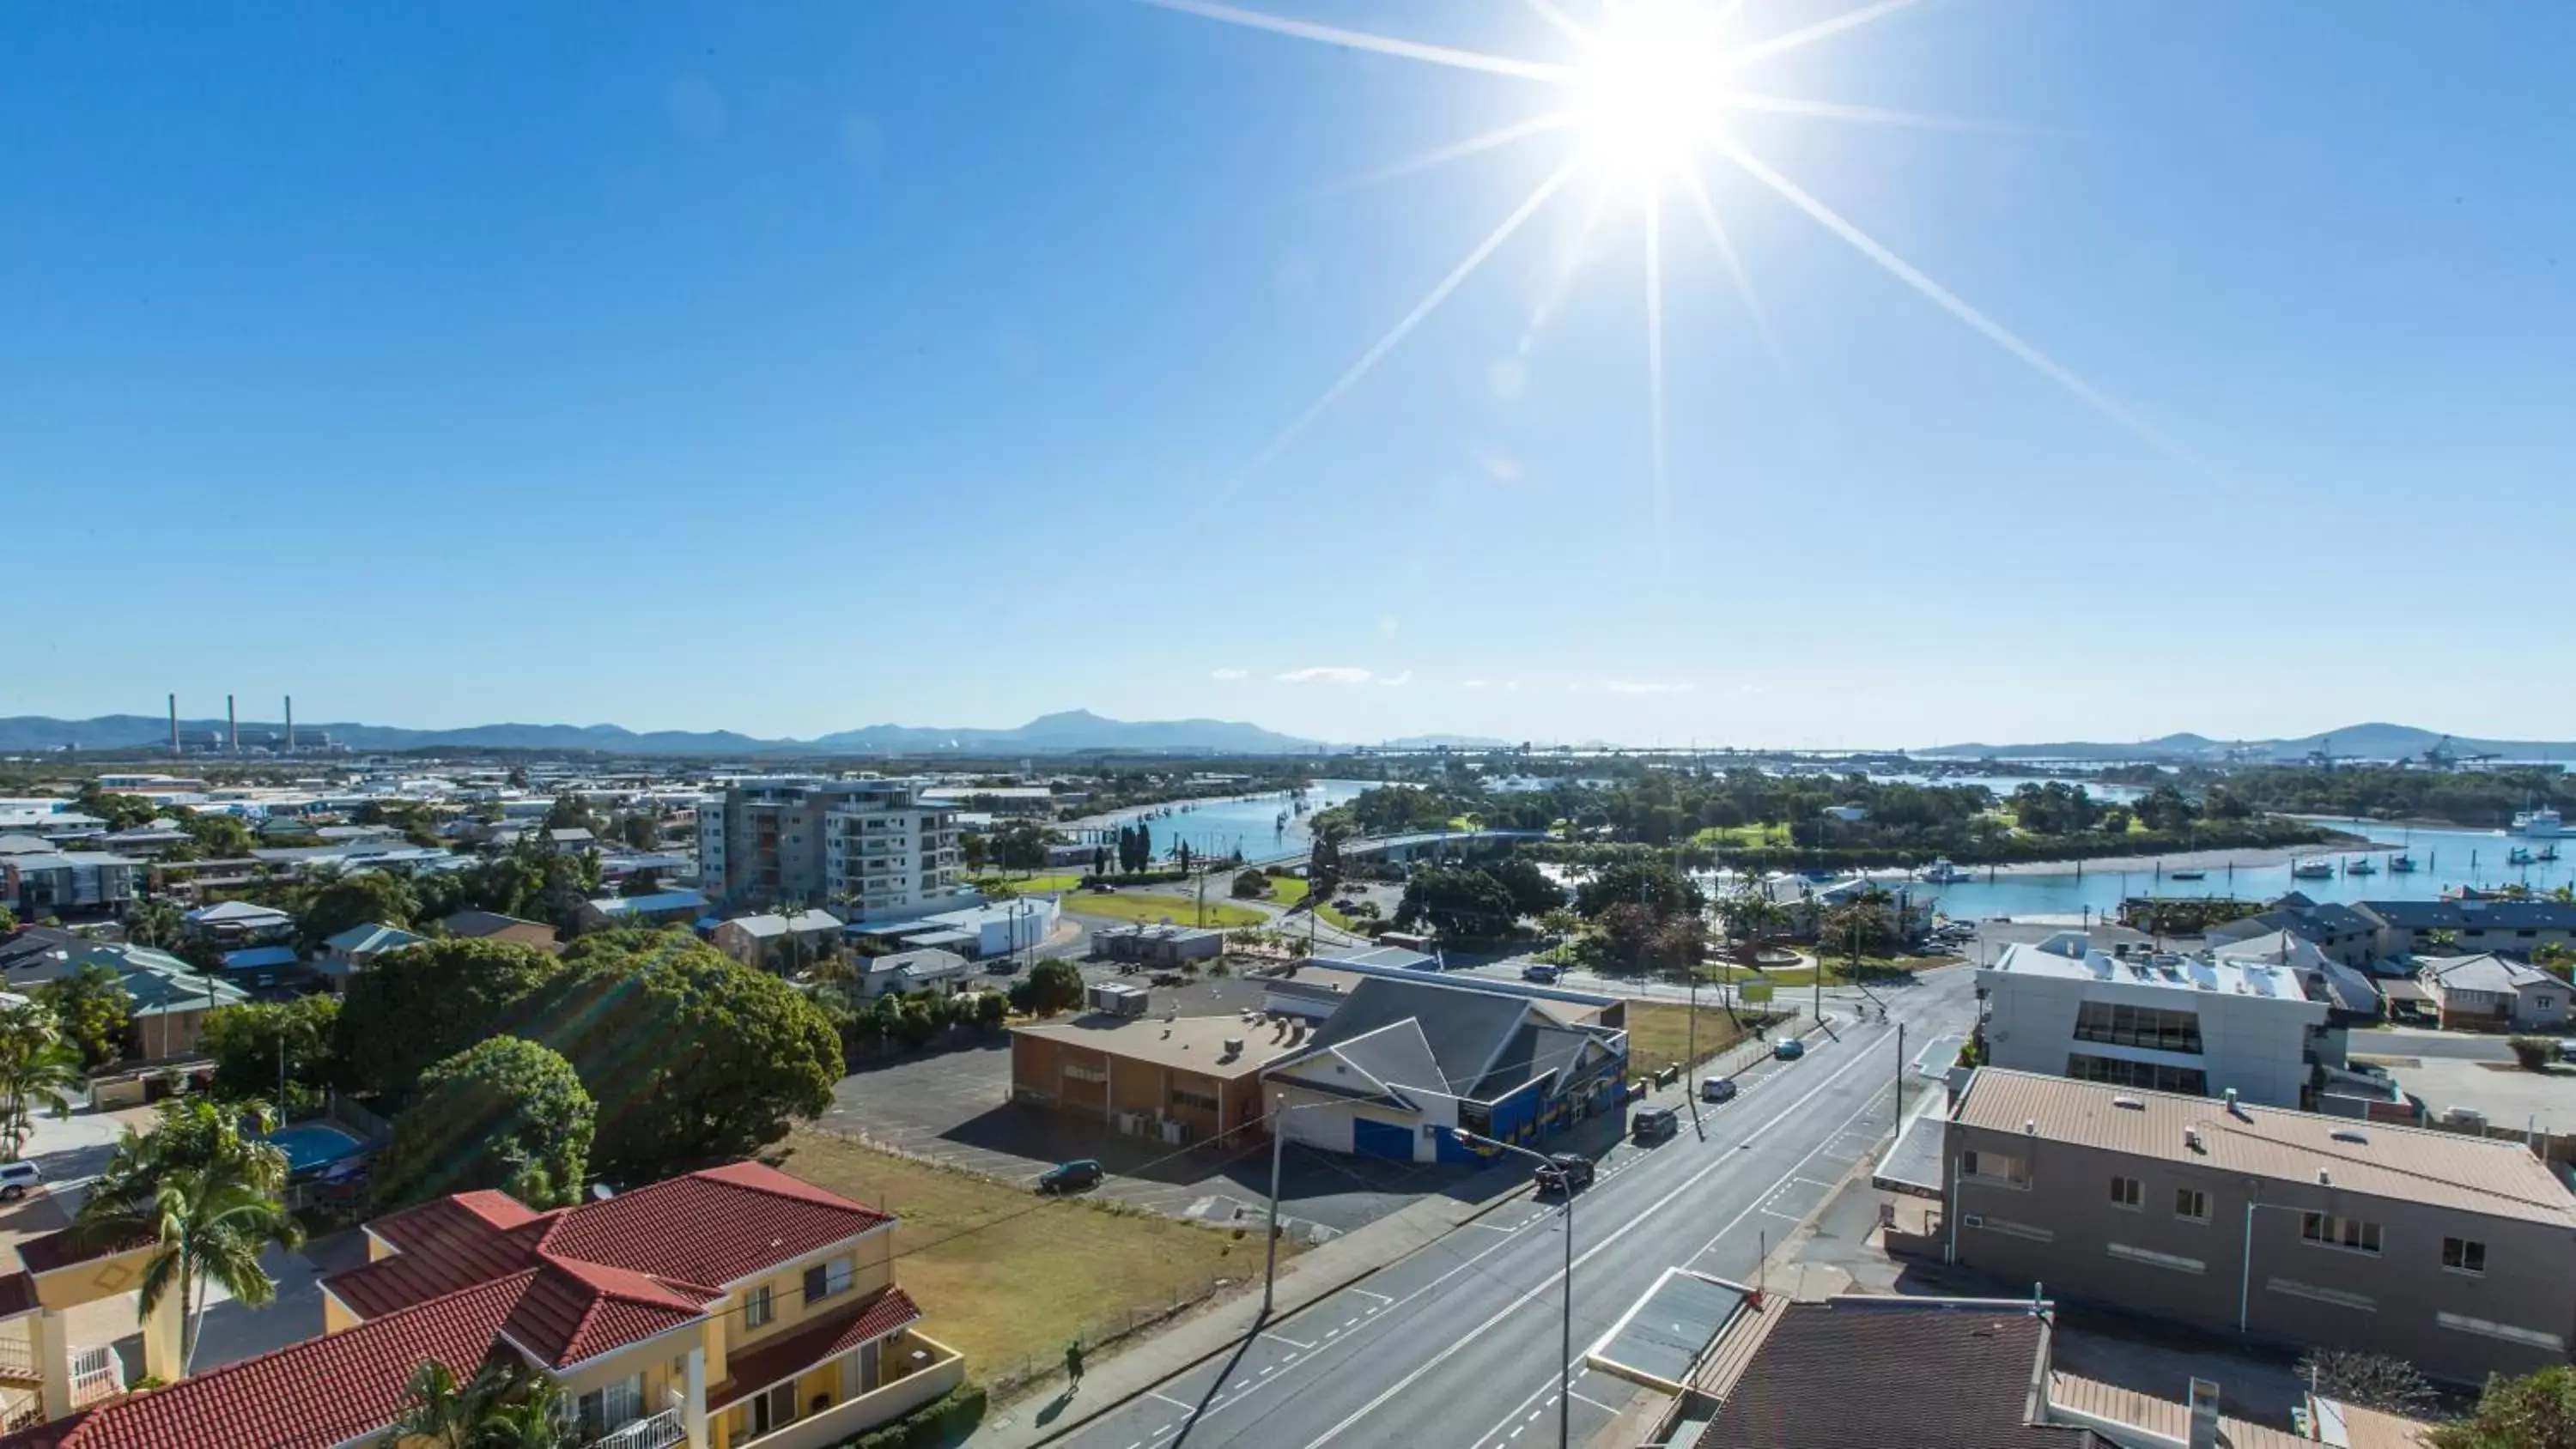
(2313, 869)
(1942, 872)
(2540, 820)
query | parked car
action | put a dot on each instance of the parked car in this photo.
(1538, 971)
(1650, 1125)
(1717, 1089)
(17, 1179)
(1071, 1176)
(1788, 1048)
(1565, 1172)
(1101, 886)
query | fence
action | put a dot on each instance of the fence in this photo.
(1006, 1380)
(364, 1123)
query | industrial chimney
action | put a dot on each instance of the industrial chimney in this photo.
(174, 724)
(232, 728)
(290, 724)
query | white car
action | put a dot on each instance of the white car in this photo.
(17, 1179)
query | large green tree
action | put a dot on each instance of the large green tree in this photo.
(39, 1070)
(1053, 985)
(424, 1003)
(355, 900)
(1645, 880)
(93, 1009)
(1532, 893)
(1460, 903)
(506, 1114)
(691, 1056)
(2536, 1411)
(251, 1043)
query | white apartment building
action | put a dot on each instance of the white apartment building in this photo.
(2187, 1024)
(873, 848)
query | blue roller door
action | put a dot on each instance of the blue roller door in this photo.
(1381, 1139)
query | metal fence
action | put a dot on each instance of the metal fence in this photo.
(1005, 1380)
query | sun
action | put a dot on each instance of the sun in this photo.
(1652, 93)
(1651, 86)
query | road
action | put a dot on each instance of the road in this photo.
(1455, 1347)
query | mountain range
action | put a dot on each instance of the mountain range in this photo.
(1065, 733)
(2353, 742)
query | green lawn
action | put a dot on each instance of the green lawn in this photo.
(1745, 837)
(1837, 970)
(1027, 885)
(1128, 906)
(1659, 1034)
(1009, 1278)
(1287, 890)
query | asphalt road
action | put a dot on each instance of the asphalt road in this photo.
(1456, 1347)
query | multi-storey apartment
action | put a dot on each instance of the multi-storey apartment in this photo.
(873, 847)
(2192, 1024)
(2453, 1252)
(735, 1308)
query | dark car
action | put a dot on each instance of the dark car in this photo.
(1565, 1172)
(1717, 1089)
(1538, 971)
(1071, 1176)
(1650, 1125)
(1788, 1049)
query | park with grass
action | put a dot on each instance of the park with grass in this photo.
(1660, 1034)
(1153, 909)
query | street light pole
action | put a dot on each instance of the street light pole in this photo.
(1270, 1246)
(1565, 1323)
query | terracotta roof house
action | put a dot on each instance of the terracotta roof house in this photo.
(728, 1308)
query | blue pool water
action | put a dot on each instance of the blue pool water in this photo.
(313, 1144)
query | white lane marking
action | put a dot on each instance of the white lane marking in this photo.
(1166, 1398)
(1283, 1338)
(1489, 1227)
(1368, 1293)
(1596, 1403)
(1858, 1059)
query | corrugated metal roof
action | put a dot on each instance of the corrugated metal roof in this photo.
(2443, 1169)
(2072, 1395)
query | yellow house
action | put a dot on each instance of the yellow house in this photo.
(729, 1308)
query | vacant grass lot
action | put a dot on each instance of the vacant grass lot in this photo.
(1027, 885)
(1006, 1277)
(1152, 908)
(1659, 1034)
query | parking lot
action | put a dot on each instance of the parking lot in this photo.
(955, 1108)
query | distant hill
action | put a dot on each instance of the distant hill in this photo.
(1446, 742)
(1065, 733)
(2355, 742)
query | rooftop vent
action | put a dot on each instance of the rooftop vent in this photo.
(2030, 1126)
(2324, 1178)
(1234, 1046)
(2132, 1103)
(2191, 1139)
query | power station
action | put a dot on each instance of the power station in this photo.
(236, 738)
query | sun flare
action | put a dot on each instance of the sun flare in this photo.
(1651, 84)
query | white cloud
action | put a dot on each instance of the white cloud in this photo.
(1231, 674)
(1326, 674)
(1398, 681)
(1648, 686)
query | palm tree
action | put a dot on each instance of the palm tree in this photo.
(204, 1195)
(501, 1407)
(38, 1068)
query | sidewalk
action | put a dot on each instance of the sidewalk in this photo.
(1044, 1413)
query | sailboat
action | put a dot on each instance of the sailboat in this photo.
(2401, 864)
(2360, 867)
(2519, 855)
(2546, 852)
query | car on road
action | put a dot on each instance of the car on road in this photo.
(1788, 1048)
(1539, 971)
(1101, 887)
(1650, 1125)
(17, 1179)
(1717, 1089)
(1071, 1176)
(1565, 1172)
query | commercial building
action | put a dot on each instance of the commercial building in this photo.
(1176, 1080)
(734, 1308)
(2456, 1253)
(2406, 928)
(977, 932)
(2190, 1024)
(2488, 992)
(36, 884)
(1157, 945)
(774, 940)
(874, 847)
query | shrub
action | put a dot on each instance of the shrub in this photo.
(1251, 885)
(2533, 1052)
(945, 1420)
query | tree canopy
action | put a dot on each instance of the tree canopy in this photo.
(251, 1042)
(355, 900)
(1460, 903)
(1053, 985)
(1640, 879)
(424, 1003)
(2536, 1411)
(506, 1114)
(93, 1010)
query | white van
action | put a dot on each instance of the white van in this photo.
(17, 1179)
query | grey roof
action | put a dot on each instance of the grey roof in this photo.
(1464, 1028)
(2474, 915)
(372, 938)
(236, 911)
(2350, 990)
(1512, 1067)
(2486, 971)
(474, 924)
(923, 964)
(659, 901)
(25, 845)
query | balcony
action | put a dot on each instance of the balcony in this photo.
(918, 1370)
(97, 1373)
(662, 1431)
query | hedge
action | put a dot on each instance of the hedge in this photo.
(943, 1421)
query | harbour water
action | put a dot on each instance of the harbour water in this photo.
(2444, 860)
(1249, 823)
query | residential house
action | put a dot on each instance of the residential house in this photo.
(2409, 928)
(232, 924)
(1177, 1080)
(36, 884)
(357, 947)
(2490, 992)
(2194, 1024)
(571, 839)
(905, 972)
(169, 999)
(771, 941)
(493, 926)
(1399, 1062)
(256, 968)
(661, 908)
(2350, 994)
(2335, 929)
(2447, 1250)
(734, 1308)
(33, 955)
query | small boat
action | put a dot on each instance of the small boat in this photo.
(2360, 867)
(2312, 869)
(2519, 855)
(2546, 852)
(1942, 872)
(2189, 874)
(2401, 865)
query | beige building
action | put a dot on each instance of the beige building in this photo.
(1180, 1080)
(874, 847)
(2456, 1253)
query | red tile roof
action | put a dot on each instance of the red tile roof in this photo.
(473, 1271)
(756, 1367)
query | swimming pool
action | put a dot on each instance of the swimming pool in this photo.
(309, 1145)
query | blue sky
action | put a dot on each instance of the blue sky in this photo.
(793, 367)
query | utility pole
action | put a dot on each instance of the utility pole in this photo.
(1270, 1246)
(1897, 1116)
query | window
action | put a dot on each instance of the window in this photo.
(756, 1307)
(825, 1279)
(610, 1407)
(2350, 1234)
(2150, 1076)
(2127, 1192)
(2464, 1255)
(1183, 1097)
(2544, 1003)
(2138, 1026)
(1995, 1167)
(2192, 1203)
